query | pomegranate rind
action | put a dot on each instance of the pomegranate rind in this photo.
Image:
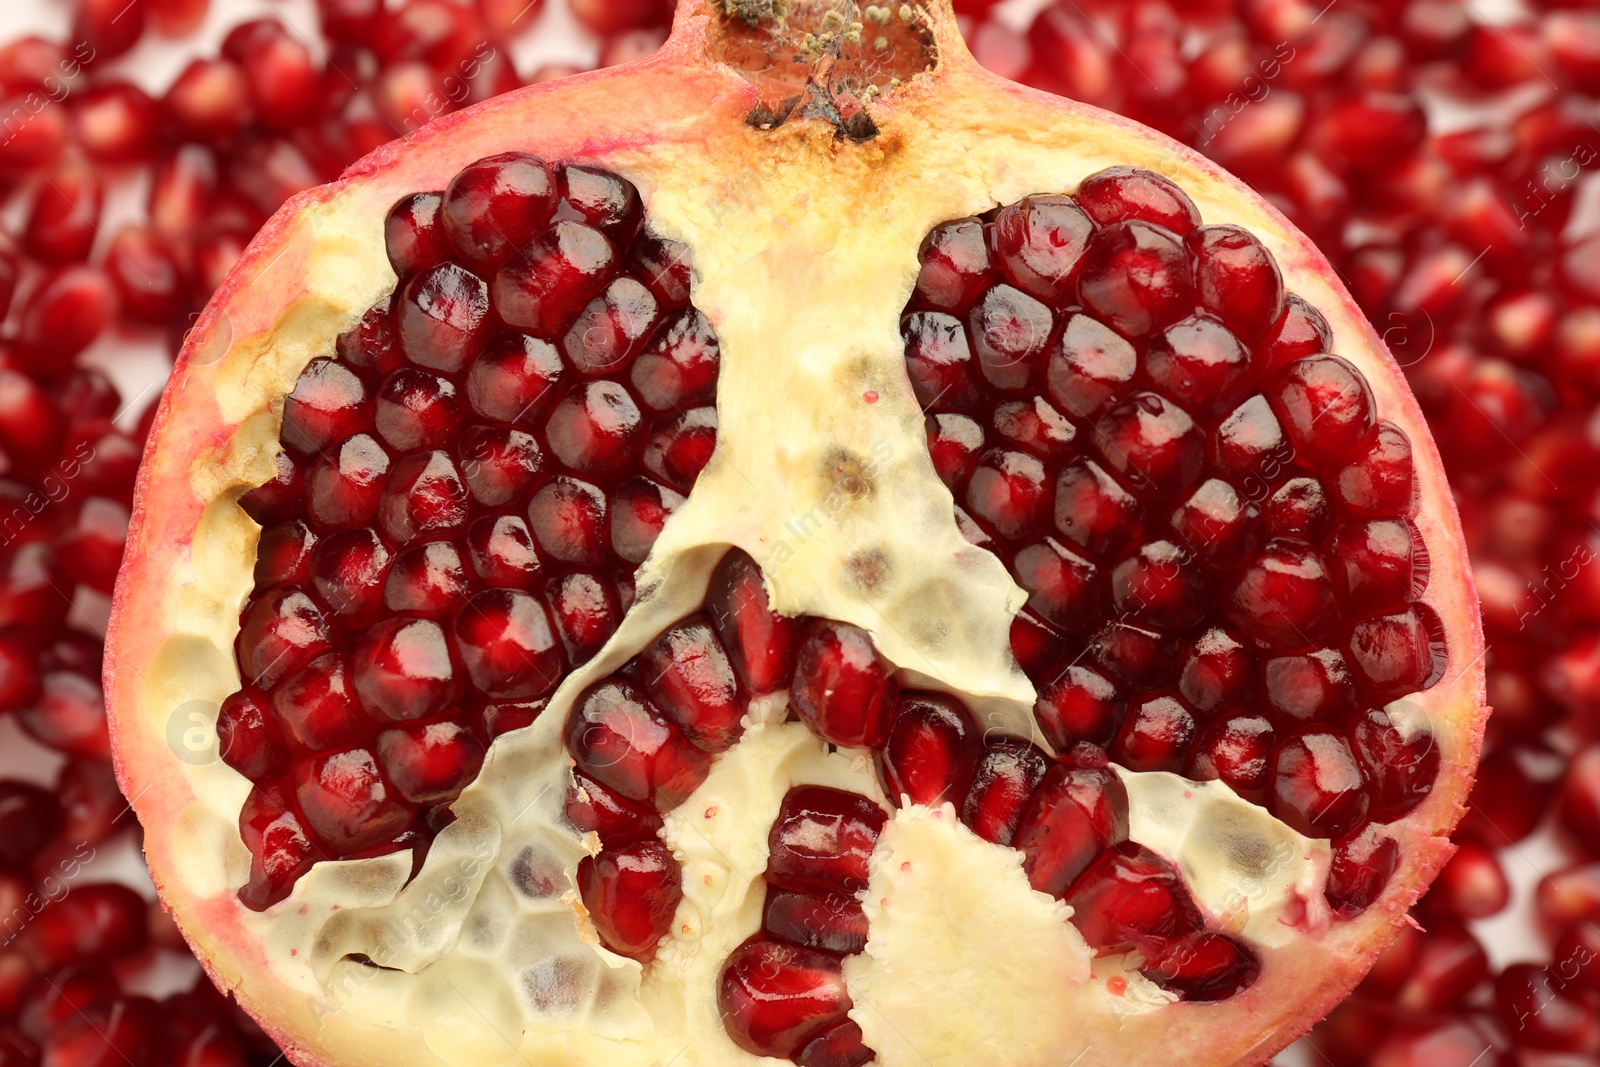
(953, 141)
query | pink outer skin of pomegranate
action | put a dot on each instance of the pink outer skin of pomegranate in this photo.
(635, 106)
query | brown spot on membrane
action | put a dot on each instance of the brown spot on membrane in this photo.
(868, 569)
(848, 476)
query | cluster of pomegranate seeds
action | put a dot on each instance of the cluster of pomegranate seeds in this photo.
(466, 488)
(1211, 520)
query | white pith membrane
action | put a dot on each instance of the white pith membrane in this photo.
(834, 496)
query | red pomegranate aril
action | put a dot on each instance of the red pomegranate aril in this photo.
(1517, 781)
(415, 409)
(1010, 332)
(587, 610)
(247, 737)
(115, 1032)
(1079, 704)
(1471, 886)
(1381, 563)
(1151, 443)
(822, 839)
(1578, 805)
(1318, 786)
(346, 802)
(603, 200)
(1034, 426)
(1378, 480)
(617, 737)
(209, 101)
(825, 922)
(568, 520)
(94, 923)
(1396, 654)
(640, 508)
(414, 234)
(595, 429)
(283, 79)
(1284, 597)
(50, 1001)
(424, 495)
(279, 632)
(69, 716)
(66, 311)
(29, 818)
(65, 214)
(1568, 897)
(609, 331)
(680, 446)
(316, 707)
(1079, 808)
(1236, 749)
(1237, 279)
(931, 751)
(776, 998)
(843, 689)
(506, 716)
(1093, 510)
(1136, 277)
(146, 275)
(91, 548)
(688, 675)
(494, 206)
(678, 368)
(1313, 687)
(541, 289)
(760, 642)
(501, 552)
(371, 346)
(1038, 243)
(499, 465)
(403, 670)
(427, 579)
(954, 443)
(1401, 769)
(592, 807)
(1362, 864)
(1205, 967)
(347, 574)
(1132, 898)
(1117, 194)
(1008, 492)
(281, 849)
(1156, 734)
(1008, 771)
(1200, 364)
(1217, 525)
(1299, 510)
(1063, 587)
(1089, 366)
(344, 486)
(955, 266)
(1541, 1014)
(442, 317)
(1155, 586)
(631, 893)
(514, 379)
(506, 643)
(1325, 406)
(328, 404)
(429, 763)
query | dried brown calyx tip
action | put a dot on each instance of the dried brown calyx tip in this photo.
(821, 59)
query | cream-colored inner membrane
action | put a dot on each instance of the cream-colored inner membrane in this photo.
(821, 473)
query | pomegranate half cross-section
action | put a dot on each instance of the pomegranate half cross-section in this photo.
(795, 548)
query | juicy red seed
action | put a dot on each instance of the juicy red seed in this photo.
(1236, 279)
(1120, 193)
(541, 289)
(328, 404)
(1450, 964)
(69, 716)
(343, 486)
(940, 362)
(1382, 563)
(500, 551)
(1200, 364)
(30, 818)
(514, 379)
(568, 519)
(689, 676)
(680, 446)
(1034, 426)
(278, 633)
(429, 763)
(1063, 587)
(1218, 526)
(610, 330)
(1038, 244)
(1080, 704)
(760, 642)
(1284, 597)
(640, 508)
(95, 923)
(1401, 769)
(1378, 480)
(281, 849)
(1362, 865)
(414, 233)
(1396, 654)
(1205, 967)
(1310, 686)
(209, 100)
(506, 644)
(403, 670)
(442, 317)
(631, 893)
(346, 802)
(1076, 812)
(1156, 586)
(1471, 886)
(603, 200)
(955, 266)
(146, 275)
(117, 122)
(841, 1045)
(592, 807)
(494, 206)
(500, 465)
(1007, 772)
(247, 737)
(1249, 446)
(954, 442)
(64, 216)
(822, 839)
(1156, 734)
(1132, 898)
(825, 922)
(118, 1030)
(662, 265)
(587, 611)
(843, 689)
(1089, 366)
(416, 409)
(678, 368)
(48, 1003)
(595, 429)
(1010, 333)
(1153, 444)
(371, 345)
(427, 579)
(1093, 510)
(776, 998)
(1299, 332)
(1325, 406)
(1238, 750)
(506, 716)
(931, 751)
(1299, 510)
(66, 311)
(620, 739)
(1516, 784)
(1318, 785)
(1533, 1002)
(347, 574)
(1008, 492)
(316, 706)
(423, 495)
(1136, 278)
(1140, 658)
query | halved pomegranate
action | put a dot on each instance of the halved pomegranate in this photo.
(792, 548)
